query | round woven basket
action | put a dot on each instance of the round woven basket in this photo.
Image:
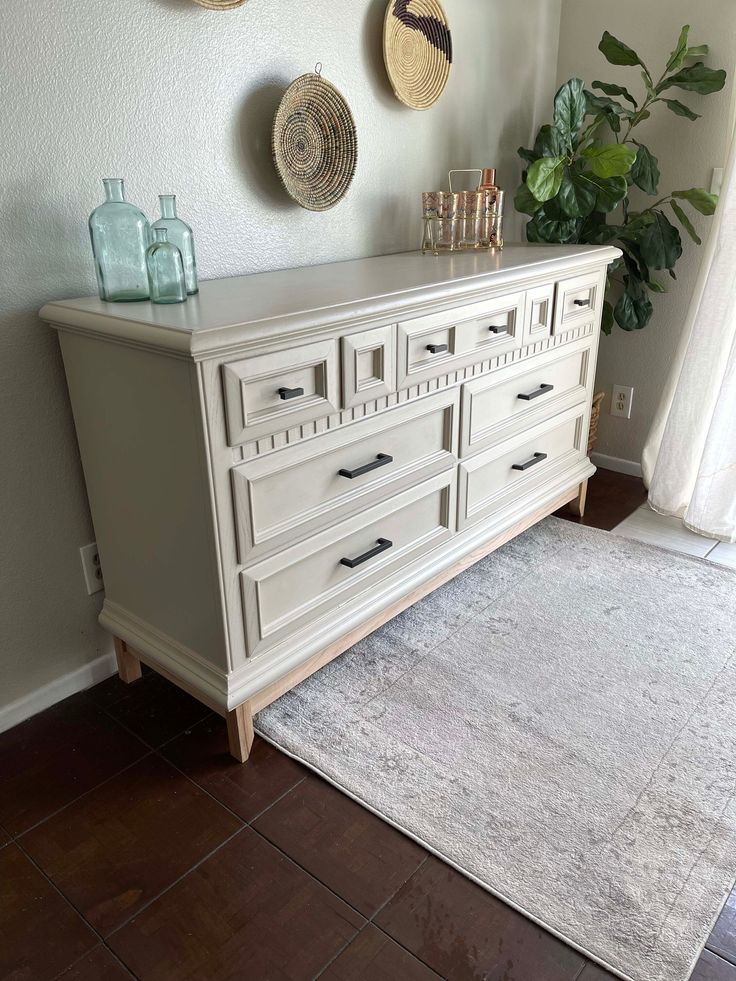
(220, 4)
(417, 47)
(315, 144)
(595, 415)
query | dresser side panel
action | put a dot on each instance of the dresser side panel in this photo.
(143, 447)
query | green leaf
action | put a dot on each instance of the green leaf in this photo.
(686, 223)
(698, 51)
(570, 109)
(696, 78)
(616, 52)
(610, 159)
(680, 109)
(545, 177)
(601, 103)
(610, 191)
(633, 312)
(654, 286)
(529, 155)
(577, 196)
(678, 56)
(549, 142)
(660, 243)
(645, 171)
(607, 318)
(609, 89)
(542, 229)
(525, 202)
(699, 198)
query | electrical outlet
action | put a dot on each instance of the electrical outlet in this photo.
(621, 401)
(92, 568)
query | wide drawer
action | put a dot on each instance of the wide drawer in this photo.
(578, 298)
(294, 587)
(288, 495)
(492, 480)
(441, 342)
(515, 398)
(271, 392)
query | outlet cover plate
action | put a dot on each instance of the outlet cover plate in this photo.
(621, 401)
(91, 568)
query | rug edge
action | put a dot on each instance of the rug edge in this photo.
(448, 861)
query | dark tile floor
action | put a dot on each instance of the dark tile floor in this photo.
(131, 845)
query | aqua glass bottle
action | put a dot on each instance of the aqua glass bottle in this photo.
(180, 235)
(120, 235)
(165, 270)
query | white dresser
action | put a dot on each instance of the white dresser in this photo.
(287, 460)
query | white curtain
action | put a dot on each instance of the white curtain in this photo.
(689, 460)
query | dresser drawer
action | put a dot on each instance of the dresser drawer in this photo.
(295, 492)
(513, 399)
(368, 365)
(502, 475)
(271, 392)
(577, 299)
(295, 587)
(439, 343)
(540, 303)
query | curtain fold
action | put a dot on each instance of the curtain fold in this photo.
(689, 460)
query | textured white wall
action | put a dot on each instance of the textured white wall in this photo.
(177, 98)
(687, 154)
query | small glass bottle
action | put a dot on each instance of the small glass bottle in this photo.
(180, 235)
(120, 235)
(165, 270)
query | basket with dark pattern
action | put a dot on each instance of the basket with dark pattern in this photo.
(315, 143)
(417, 47)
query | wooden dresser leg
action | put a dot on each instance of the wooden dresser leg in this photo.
(577, 506)
(129, 667)
(240, 731)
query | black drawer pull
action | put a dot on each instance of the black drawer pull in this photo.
(436, 348)
(381, 460)
(542, 390)
(290, 393)
(582, 303)
(496, 329)
(382, 545)
(537, 458)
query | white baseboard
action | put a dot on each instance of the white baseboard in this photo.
(616, 464)
(69, 684)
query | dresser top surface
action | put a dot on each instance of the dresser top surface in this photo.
(265, 305)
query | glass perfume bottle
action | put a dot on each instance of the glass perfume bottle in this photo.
(180, 235)
(120, 235)
(165, 270)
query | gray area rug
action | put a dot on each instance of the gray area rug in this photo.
(559, 723)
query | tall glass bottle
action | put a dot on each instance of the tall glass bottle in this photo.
(180, 235)
(120, 235)
(165, 270)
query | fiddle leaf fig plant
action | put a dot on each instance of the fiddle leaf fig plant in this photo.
(587, 164)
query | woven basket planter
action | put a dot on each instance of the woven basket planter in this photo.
(595, 415)
(417, 48)
(315, 143)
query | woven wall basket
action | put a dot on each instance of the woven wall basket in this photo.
(220, 4)
(315, 144)
(417, 47)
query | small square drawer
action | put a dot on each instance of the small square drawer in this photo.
(368, 365)
(286, 496)
(271, 392)
(297, 586)
(505, 402)
(438, 343)
(495, 479)
(577, 299)
(540, 303)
